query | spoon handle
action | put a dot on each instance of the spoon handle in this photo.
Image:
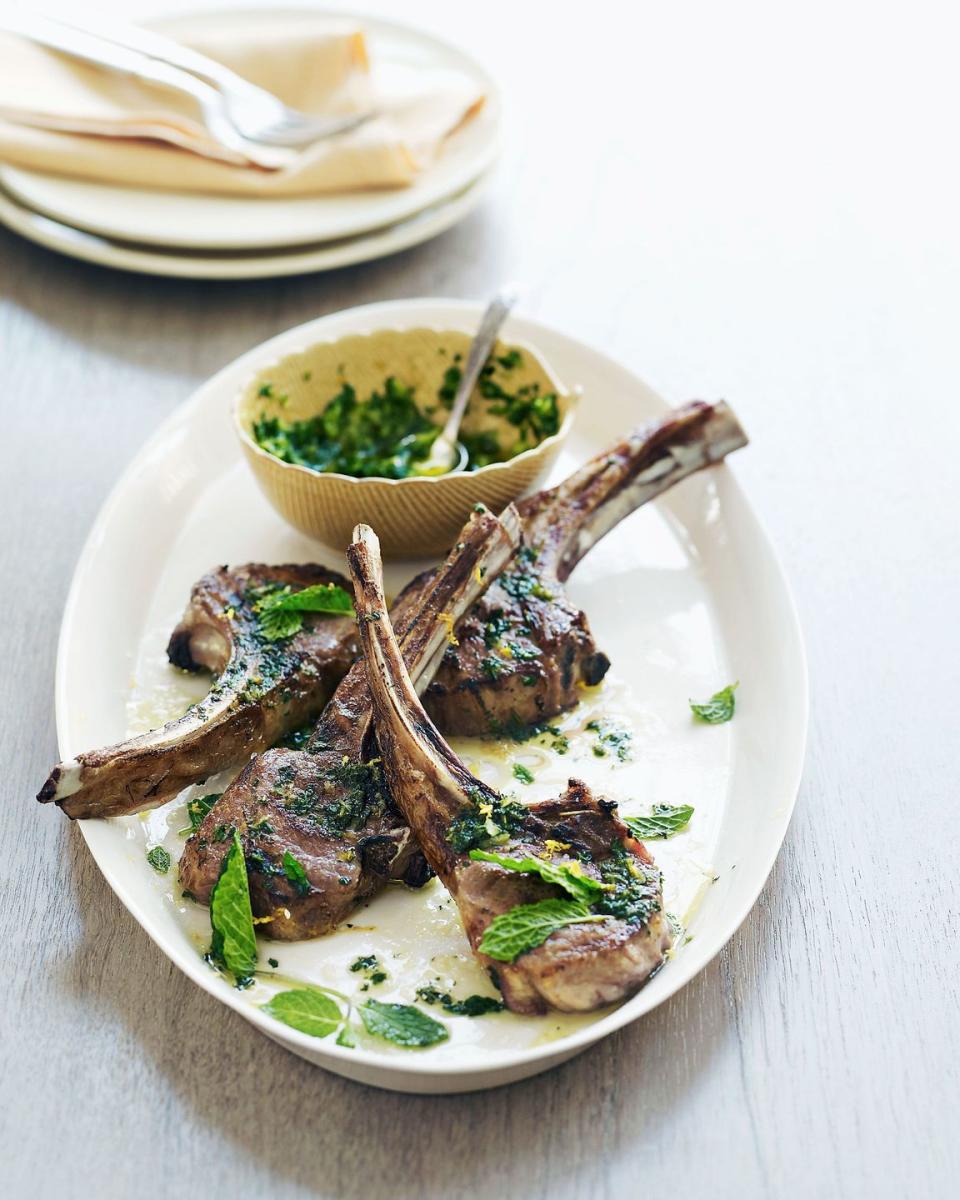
(497, 311)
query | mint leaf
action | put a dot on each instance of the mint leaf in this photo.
(529, 925)
(234, 943)
(293, 869)
(568, 876)
(401, 1024)
(664, 820)
(280, 613)
(159, 859)
(197, 809)
(345, 1038)
(320, 597)
(306, 1009)
(522, 773)
(277, 624)
(719, 708)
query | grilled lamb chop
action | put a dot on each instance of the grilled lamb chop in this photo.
(318, 829)
(603, 944)
(262, 692)
(523, 651)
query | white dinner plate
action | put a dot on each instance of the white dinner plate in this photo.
(685, 596)
(190, 220)
(185, 264)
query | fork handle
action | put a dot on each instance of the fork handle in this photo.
(93, 49)
(159, 48)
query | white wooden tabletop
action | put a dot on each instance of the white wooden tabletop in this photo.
(743, 199)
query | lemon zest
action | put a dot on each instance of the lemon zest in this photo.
(447, 619)
(552, 847)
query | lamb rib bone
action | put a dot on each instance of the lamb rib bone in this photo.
(326, 808)
(604, 954)
(560, 525)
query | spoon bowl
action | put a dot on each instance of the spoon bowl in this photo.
(461, 456)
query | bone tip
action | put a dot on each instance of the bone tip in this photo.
(734, 432)
(64, 782)
(363, 555)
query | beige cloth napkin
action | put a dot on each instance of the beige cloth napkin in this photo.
(63, 116)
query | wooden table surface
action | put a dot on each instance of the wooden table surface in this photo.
(745, 200)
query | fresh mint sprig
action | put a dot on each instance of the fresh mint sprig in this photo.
(197, 809)
(159, 859)
(529, 925)
(319, 1012)
(234, 942)
(663, 821)
(719, 708)
(566, 875)
(280, 613)
(306, 1009)
(402, 1024)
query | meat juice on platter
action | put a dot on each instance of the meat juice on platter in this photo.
(416, 936)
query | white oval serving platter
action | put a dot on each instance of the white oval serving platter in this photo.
(195, 221)
(685, 596)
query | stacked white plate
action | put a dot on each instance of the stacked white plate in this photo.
(221, 237)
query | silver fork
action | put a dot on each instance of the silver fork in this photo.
(235, 111)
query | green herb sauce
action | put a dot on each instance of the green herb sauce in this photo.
(485, 822)
(388, 434)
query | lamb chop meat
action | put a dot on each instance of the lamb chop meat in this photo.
(263, 690)
(560, 904)
(318, 828)
(525, 650)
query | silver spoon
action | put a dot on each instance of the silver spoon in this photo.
(445, 454)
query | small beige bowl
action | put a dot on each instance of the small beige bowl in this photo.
(413, 517)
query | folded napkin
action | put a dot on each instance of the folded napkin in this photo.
(61, 115)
